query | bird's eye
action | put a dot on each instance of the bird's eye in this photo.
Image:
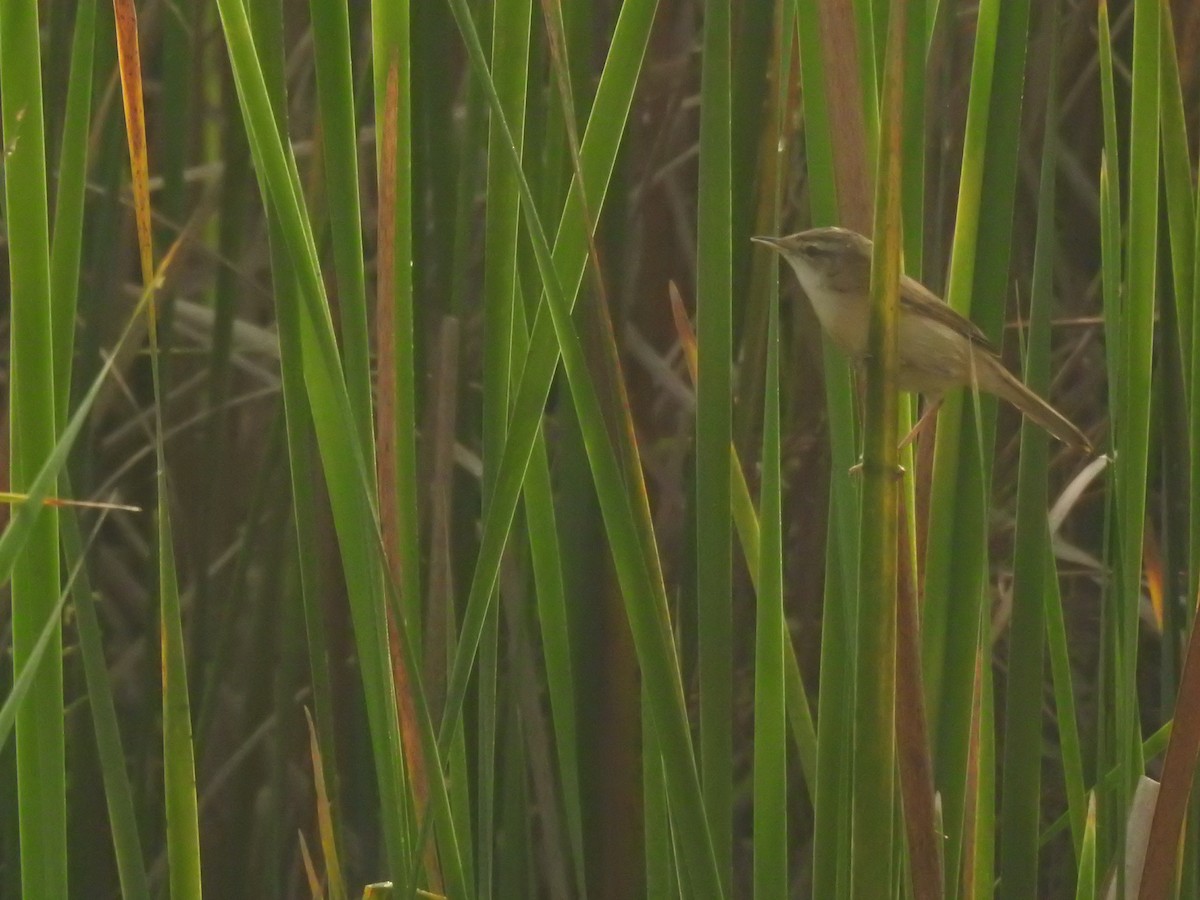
(819, 250)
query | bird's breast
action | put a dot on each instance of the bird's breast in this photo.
(846, 321)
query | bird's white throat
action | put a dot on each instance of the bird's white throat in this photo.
(845, 321)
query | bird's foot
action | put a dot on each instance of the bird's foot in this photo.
(859, 467)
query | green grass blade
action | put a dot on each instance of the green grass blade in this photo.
(510, 67)
(598, 154)
(22, 526)
(831, 839)
(28, 515)
(1177, 179)
(916, 78)
(662, 866)
(31, 512)
(554, 619)
(41, 752)
(981, 825)
(179, 766)
(1130, 385)
(770, 691)
(25, 675)
(339, 146)
(390, 54)
(118, 793)
(714, 430)
(874, 789)
(343, 457)
(936, 626)
(956, 560)
(779, 693)
(640, 580)
(1021, 787)
(1192, 375)
(66, 246)
(1064, 700)
(561, 681)
(1110, 188)
(1110, 826)
(1085, 883)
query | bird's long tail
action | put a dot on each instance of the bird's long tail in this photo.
(996, 379)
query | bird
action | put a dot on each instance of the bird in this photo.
(937, 348)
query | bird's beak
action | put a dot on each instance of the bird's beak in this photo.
(772, 242)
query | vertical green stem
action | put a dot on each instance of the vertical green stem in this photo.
(713, 432)
(875, 686)
(1022, 764)
(41, 754)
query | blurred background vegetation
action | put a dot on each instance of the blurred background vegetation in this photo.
(549, 646)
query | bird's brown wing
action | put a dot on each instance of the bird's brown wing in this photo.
(919, 299)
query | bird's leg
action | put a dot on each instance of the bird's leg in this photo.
(857, 469)
(858, 375)
(932, 405)
(858, 378)
(860, 393)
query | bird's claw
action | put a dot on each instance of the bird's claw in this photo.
(858, 468)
